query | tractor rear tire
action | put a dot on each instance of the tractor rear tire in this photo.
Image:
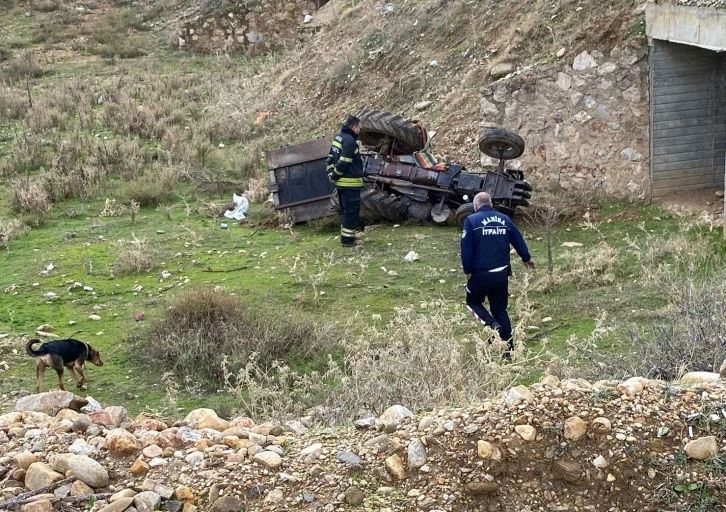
(382, 205)
(501, 144)
(462, 212)
(375, 125)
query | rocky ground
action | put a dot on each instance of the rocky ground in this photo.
(556, 445)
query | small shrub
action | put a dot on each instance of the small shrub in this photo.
(121, 157)
(10, 230)
(201, 327)
(26, 196)
(24, 67)
(258, 190)
(124, 48)
(689, 334)
(13, 104)
(26, 153)
(42, 118)
(420, 360)
(72, 174)
(45, 6)
(134, 257)
(149, 190)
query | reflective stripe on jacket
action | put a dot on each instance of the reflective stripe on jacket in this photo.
(344, 160)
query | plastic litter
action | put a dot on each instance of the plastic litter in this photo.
(411, 257)
(242, 206)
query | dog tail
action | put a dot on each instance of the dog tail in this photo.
(30, 351)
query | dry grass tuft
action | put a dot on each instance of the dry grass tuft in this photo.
(135, 256)
(26, 195)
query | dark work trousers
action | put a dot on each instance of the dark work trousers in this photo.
(349, 212)
(495, 287)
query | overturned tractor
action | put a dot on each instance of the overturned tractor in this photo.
(403, 179)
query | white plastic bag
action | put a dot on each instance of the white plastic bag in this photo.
(242, 206)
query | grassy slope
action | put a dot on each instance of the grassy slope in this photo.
(351, 280)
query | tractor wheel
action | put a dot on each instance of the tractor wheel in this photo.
(462, 212)
(375, 125)
(501, 144)
(382, 205)
(420, 211)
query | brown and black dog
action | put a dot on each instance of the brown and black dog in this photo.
(57, 354)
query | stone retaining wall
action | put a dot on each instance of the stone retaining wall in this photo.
(585, 121)
(253, 26)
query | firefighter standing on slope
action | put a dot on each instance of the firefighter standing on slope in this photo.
(345, 168)
(485, 245)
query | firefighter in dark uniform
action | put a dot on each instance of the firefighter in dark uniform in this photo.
(345, 169)
(485, 245)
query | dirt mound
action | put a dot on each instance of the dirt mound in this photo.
(570, 445)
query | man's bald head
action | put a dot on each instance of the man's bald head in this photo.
(482, 199)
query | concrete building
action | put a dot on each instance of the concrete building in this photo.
(687, 96)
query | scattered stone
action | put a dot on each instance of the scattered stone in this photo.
(501, 70)
(601, 425)
(274, 497)
(575, 428)
(583, 62)
(394, 465)
(25, 459)
(600, 462)
(268, 459)
(416, 454)
(184, 493)
(348, 458)
(227, 504)
(380, 442)
(139, 467)
(395, 414)
(121, 442)
(80, 488)
(518, 395)
(118, 505)
(152, 451)
(126, 493)
(702, 448)
(561, 53)
(206, 418)
(354, 496)
(38, 506)
(81, 424)
(426, 423)
(147, 501)
(50, 403)
(422, 105)
(194, 458)
(484, 449)
(482, 488)
(526, 432)
(40, 475)
(365, 423)
(88, 470)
